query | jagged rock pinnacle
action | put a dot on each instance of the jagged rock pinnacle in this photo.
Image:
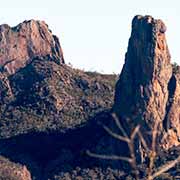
(142, 91)
(26, 41)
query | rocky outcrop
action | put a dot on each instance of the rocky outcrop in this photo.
(50, 113)
(49, 97)
(12, 171)
(6, 94)
(47, 108)
(38, 90)
(143, 89)
(172, 119)
(20, 44)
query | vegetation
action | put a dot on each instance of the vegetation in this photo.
(151, 172)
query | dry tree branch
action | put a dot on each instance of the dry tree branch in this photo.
(134, 132)
(117, 136)
(132, 152)
(143, 141)
(150, 151)
(109, 157)
(130, 143)
(154, 136)
(165, 168)
(118, 124)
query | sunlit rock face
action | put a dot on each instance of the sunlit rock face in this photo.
(143, 89)
(20, 44)
(13, 171)
(49, 111)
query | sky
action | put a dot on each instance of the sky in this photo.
(94, 33)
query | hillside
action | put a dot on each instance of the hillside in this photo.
(51, 113)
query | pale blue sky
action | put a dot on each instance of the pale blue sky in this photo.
(94, 33)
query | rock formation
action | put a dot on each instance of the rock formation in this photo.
(6, 94)
(47, 108)
(172, 118)
(12, 171)
(50, 113)
(20, 44)
(145, 85)
(34, 79)
(45, 96)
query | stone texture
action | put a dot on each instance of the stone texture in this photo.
(12, 171)
(142, 91)
(50, 113)
(172, 119)
(20, 44)
(36, 84)
(46, 96)
(6, 94)
(47, 108)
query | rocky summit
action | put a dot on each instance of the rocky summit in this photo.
(51, 113)
(46, 105)
(147, 90)
(38, 91)
(20, 44)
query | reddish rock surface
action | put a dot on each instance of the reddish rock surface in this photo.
(47, 108)
(172, 119)
(12, 171)
(144, 88)
(50, 113)
(20, 44)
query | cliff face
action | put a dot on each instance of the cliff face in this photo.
(172, 119)
(47, 109)
(20, 44)
(12, 171)
(50, 113)
(38, 90)
(145, 86)
(45, 96)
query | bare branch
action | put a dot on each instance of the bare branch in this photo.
(154, 135)
(116, 119)
(135, 131)
(109, 157)
(117, 136)
(133, 157)
(165, 167)
(143, 141)
(152, 153)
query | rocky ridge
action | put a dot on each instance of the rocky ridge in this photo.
(20, 44)
(50, 113)
(45, 102)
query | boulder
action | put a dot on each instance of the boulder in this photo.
(13, 171)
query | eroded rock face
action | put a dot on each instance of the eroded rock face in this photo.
(172, 119)
(12, 171)
(6, 94)
(38, 92)
(47, 108)
(142, 91)
(47, 97)
(20, 44)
